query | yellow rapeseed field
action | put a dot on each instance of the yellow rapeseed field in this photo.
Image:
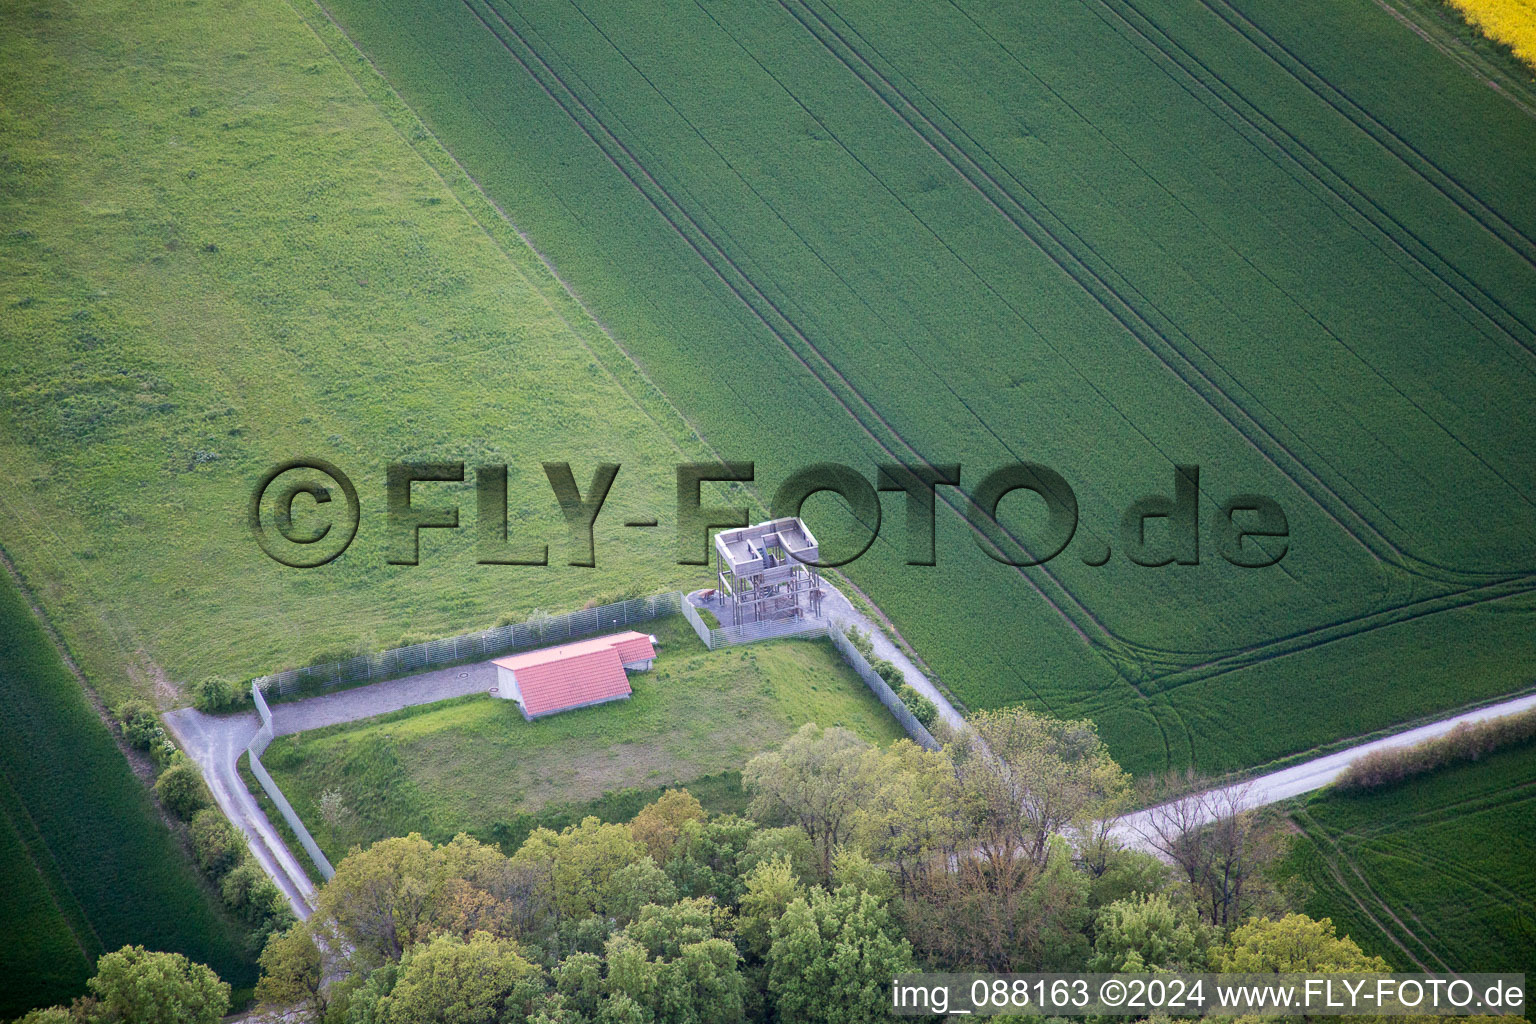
(1512, 22)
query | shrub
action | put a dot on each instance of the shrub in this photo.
(923, 709)
(216, 843)
(140, 726)
(1466, 742)
(861, 642)
(250, 894)
(217, 694)
(888, 671)
(180, 788)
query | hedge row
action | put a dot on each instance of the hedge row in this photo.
(1466, 742)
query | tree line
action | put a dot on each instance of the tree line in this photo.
(855, 863)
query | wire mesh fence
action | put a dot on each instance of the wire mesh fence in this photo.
(715, 637)
(538, 631)
(893, 703)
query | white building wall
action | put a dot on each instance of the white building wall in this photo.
(506, 685)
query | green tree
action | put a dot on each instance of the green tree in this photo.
(815, 781)
(1147, 932)
(136, 986)
(448, 980)
(658, 824)
(216, 694)
(140, 726)
(789, 843)
(216, 843)
(912, 814)
(574, 868)
(1294, 944)
(637, 885)
(833, 956)
(180, 788)
(770, 888)
(676, 964)
(402, 890)
(708, 856)
(250, 893)
(1033, 777)
(48, 1015)
(293, 974)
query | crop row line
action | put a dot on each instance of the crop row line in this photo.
(1419, 253)
(916, 353)
(1295, 300)
(1097, 283)
(1352, 626)
(729, 273)
(1405, 152)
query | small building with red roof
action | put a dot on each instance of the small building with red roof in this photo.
(574, 675)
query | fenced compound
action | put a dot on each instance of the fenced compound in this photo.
(257, 746)
(881, 689)
(749, 632)
(539, 631)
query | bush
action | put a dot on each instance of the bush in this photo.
(861, 642)
(140, 726)
(217, 694)
(888, 671)
(180, 788)
(1466, 742)
(250, 894)
(216, 843)
(923, 709)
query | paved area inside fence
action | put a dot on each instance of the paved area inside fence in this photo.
(381, 698)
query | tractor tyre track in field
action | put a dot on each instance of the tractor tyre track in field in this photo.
(737, 289)
(1300, 154)
(70, 910)
(1431, 173)
(1309, 639)
(1450, 867)
(1151, 337)
(1212, 232)
(1332, 855)
(1106, 638)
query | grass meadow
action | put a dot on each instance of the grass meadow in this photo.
(86, 863)
(474, 764)
(1437, 873)
(220, 254)
(1108, 238)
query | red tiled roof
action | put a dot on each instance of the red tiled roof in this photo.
(633, 647)
(578, 673)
